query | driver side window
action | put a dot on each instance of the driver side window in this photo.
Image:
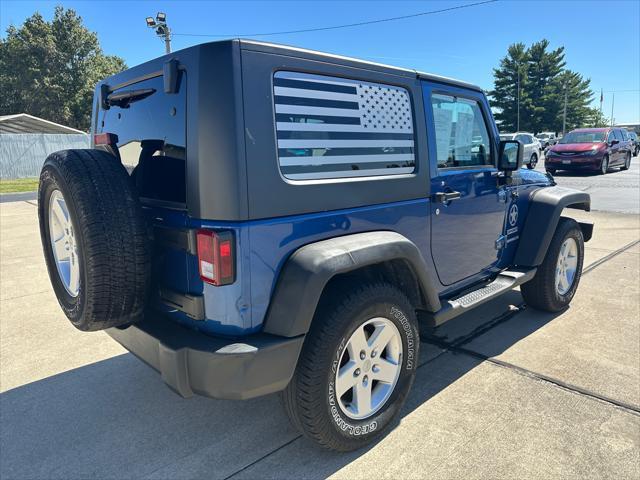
(462, 138)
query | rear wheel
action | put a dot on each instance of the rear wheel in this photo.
(356, 368)
(95, 240)
(532, 162)
(557, 278)
(627, 162)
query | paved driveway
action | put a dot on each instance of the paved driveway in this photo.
(506, 392)
(617, 191)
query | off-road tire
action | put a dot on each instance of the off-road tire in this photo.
(627, 162)
(533, 161)
(308, 398)
(112, 237)
(540, 292)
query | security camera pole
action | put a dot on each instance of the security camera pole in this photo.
(161, 28)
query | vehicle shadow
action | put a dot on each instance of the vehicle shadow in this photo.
(585, 173)
(116, 419)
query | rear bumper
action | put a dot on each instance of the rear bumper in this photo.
(193, 363)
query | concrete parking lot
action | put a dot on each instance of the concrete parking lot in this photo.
(503, 392)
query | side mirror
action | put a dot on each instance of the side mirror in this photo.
(510, 155)
(614, 142)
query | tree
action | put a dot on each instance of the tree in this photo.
(511, 75)
(597, 118)
(543, 84)
(49, 69)
(544, 66)
(578, 96)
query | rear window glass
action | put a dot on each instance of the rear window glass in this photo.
(151, 132)
(330, 127)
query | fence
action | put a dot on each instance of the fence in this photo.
(22, 154)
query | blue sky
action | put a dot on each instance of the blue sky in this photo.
(602, 39)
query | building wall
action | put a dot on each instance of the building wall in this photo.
(22, 154)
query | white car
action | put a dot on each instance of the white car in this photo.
(532, 150)
(547, 139)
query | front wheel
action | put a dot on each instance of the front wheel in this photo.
(532, 162)
(604, 166)
(357, 365)
(557, 278)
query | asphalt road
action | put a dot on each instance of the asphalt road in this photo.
(617, 191)
(502, 392)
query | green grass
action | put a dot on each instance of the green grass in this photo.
(18, 185)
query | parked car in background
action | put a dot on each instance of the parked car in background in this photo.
(532, 150)
(635, 143)
(595, 149)
(547, 139)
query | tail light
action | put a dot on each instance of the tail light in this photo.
(216, 257)
(110, 139)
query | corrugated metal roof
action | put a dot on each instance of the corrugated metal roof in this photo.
(25, 123)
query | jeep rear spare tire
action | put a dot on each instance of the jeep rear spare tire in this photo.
(357, 365)
(96, 242)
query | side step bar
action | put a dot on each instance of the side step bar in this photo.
(507, 280)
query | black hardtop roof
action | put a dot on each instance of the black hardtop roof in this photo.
(155, 65)
(348, 61)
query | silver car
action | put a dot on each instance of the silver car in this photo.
(532, 149)
(547, 139)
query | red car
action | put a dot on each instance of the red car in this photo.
(595, 149)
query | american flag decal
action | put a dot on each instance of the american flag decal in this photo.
(329, 127)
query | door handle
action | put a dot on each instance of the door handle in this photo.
(444, 197)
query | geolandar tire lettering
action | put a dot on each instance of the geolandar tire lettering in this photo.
(360, 358)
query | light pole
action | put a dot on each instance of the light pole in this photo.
(613, 100)
(159, 24)
(518, 101)
(564, 113)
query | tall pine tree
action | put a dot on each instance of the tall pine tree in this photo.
(544, 66)
(543, 82)
(511, 75)
(578, 97)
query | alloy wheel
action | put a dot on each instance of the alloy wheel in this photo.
(369, 368)
(63, 243)
(566, 266)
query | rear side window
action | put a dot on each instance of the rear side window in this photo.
(462, 138)
(151, 132)
(330, 127)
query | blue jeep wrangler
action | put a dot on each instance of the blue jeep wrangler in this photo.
(254, 218)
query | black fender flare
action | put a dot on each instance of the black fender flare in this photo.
(308, 270)
(545, 207)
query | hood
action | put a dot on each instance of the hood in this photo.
(528, 177)
(574, 147)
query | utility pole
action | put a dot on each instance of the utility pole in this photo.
(518, 101)
(601, 100)
(159, 24)
(564, 114)
(613, 99)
